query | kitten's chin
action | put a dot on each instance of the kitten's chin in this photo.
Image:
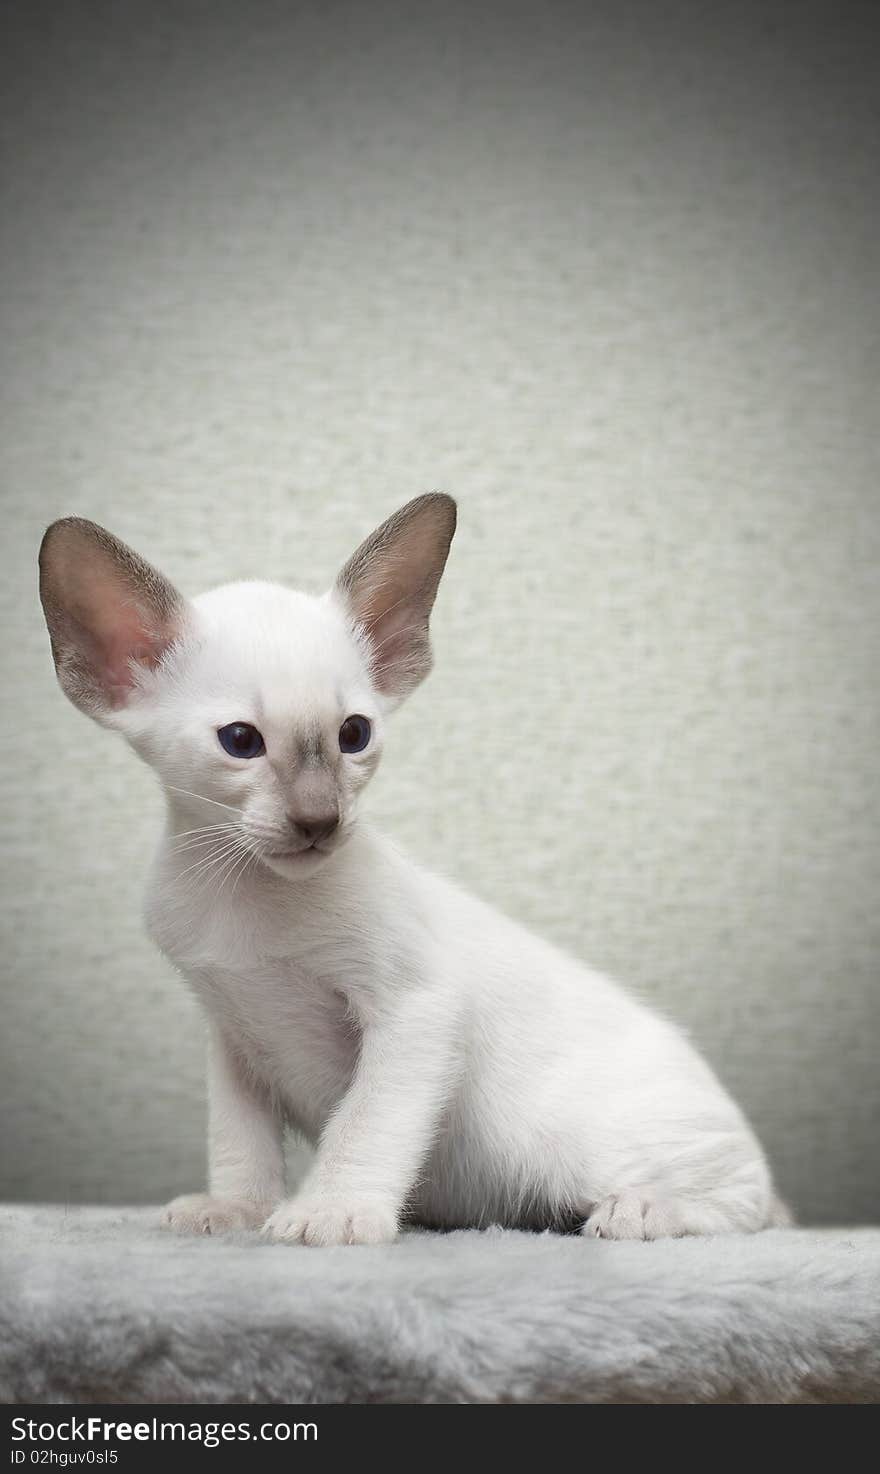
(297, 865)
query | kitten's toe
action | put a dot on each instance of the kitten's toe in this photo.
(637, 1213)
(323, 1221)
(200, 1213)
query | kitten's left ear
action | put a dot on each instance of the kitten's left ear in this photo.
(389, 585)
(108, 612)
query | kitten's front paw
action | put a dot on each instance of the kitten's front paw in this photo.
(200, 1213)
(326, 1220)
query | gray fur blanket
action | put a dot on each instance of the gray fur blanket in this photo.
(99, 1304)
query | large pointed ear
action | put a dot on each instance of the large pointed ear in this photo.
(389, 586)
(108, 613)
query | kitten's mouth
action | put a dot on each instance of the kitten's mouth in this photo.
(307, 857)
(304, 858)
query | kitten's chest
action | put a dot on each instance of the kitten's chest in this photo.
(294, 1029)
(279, 984)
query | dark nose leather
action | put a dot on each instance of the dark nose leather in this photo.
(312, 828)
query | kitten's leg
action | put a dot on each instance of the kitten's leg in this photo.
(371, 1147)
(245, 1151)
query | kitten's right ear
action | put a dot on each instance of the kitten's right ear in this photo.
(108, 612)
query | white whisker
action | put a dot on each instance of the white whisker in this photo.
(204, 829)
(228, 870)
(250, 857)
(196, 838)
(203, 796)
(207, 862)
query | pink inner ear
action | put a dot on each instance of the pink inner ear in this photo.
(391, 636)
(109, 613)
(121, 633)
(118, 656)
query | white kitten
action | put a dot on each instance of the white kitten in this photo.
(449, 1066)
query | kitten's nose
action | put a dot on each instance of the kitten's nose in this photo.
(312, 828)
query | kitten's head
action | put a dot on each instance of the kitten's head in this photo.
(262, 710)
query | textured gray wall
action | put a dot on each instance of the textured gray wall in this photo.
(608, 274)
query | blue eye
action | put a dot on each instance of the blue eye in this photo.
(354, 734)
(240, 739)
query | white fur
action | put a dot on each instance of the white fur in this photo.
(446, 1063)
